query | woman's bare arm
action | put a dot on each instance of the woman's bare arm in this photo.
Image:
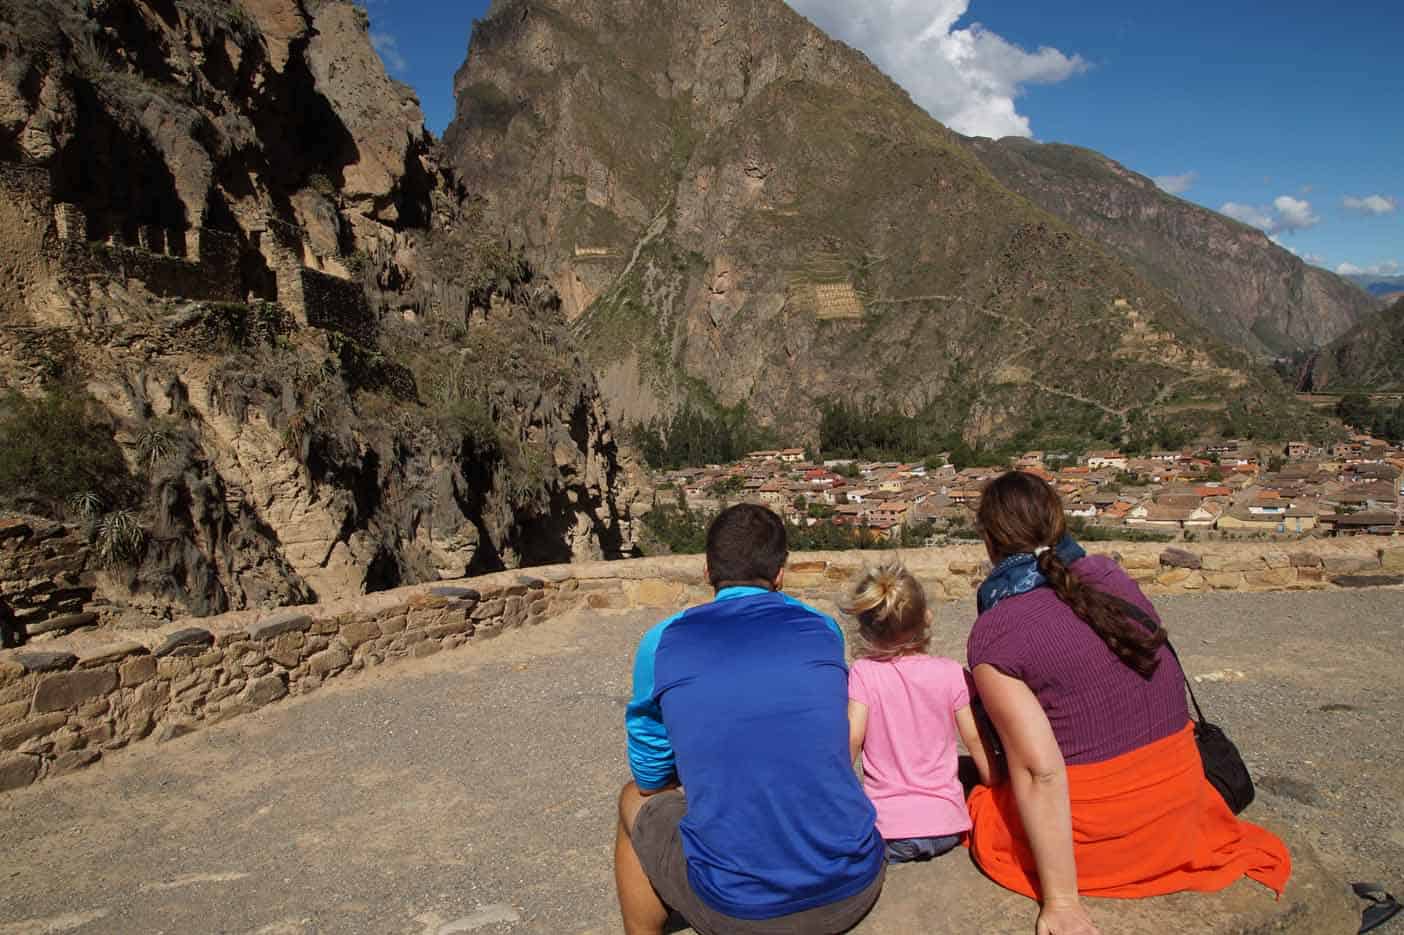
(1039, 779)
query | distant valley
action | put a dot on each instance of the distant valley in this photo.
(1379, 286)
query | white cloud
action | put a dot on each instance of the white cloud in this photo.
(1177, 184)
(1294, 214)
(1286, 214)
(967, 78)
(389, 48)
(1371, 204)
(1387, 268)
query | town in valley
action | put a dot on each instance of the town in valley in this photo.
(1227, 489)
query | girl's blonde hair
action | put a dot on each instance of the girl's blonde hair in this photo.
(890, 607)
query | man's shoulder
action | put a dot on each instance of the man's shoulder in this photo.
(697, 622)
(648, 643)
(778, 599)
(799, 608)
(791, 601)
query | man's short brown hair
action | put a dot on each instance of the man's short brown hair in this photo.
(745, 543)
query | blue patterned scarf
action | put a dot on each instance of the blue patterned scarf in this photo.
(1019, 574)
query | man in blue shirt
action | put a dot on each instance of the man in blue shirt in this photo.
(743, 703)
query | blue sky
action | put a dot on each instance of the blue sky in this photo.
(1286, 114)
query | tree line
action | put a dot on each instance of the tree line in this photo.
(1383, 420)
(679, 530)
(693, 437)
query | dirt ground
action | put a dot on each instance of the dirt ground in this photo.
(473, 791)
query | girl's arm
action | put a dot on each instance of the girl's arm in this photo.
(1039, 777)
(970, 736)
(857, 728)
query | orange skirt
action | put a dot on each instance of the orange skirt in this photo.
(1145, 823)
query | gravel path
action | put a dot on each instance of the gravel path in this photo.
(472, 791)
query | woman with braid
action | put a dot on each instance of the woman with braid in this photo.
(1105, 792)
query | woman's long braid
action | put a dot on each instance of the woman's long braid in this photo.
(1019, 514)
(1127, 630)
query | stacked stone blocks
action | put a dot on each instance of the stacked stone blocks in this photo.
(63, 708)
(46, 575)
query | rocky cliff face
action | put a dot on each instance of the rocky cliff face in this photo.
(1227, 276)
(738, 209)
(235, 245)
(1368, 358)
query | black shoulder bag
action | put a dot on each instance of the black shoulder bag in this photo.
(1223, 765)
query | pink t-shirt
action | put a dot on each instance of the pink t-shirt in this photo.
(909, 750)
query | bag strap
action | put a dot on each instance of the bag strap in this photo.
(1193, 700)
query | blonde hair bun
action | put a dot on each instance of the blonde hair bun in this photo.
(890, 607)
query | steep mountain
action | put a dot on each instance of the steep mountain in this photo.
(738, 209)
(1226, 275)
(254, 339)
(1369, 357)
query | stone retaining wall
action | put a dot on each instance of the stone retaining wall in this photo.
(213, 278)
(336, 304)
(65, 701)
(46, 577)
(26, 182)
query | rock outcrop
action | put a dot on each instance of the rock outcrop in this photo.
(1368, 358)
(228, 230)
(739, 209)
(1226, 275)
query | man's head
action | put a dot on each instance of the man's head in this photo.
(746, 546)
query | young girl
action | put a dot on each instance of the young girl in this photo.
(905, 710)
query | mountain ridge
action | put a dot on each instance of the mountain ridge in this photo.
(1228, 275)
(763, 217)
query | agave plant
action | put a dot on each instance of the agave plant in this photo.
(85, 507)
(156, 443)
(119, 538)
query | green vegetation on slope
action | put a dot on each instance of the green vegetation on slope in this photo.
(58, 449)
(693, 437)
(1383, 420)
(677, 530)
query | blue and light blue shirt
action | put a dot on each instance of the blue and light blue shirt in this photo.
(745, 702)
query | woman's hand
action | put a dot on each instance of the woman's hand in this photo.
(1039, 778)
(1064, 917)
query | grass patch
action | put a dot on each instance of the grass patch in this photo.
(58, 447)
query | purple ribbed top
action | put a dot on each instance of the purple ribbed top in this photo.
(1098, 706)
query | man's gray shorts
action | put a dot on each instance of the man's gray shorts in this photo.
(658, 843)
